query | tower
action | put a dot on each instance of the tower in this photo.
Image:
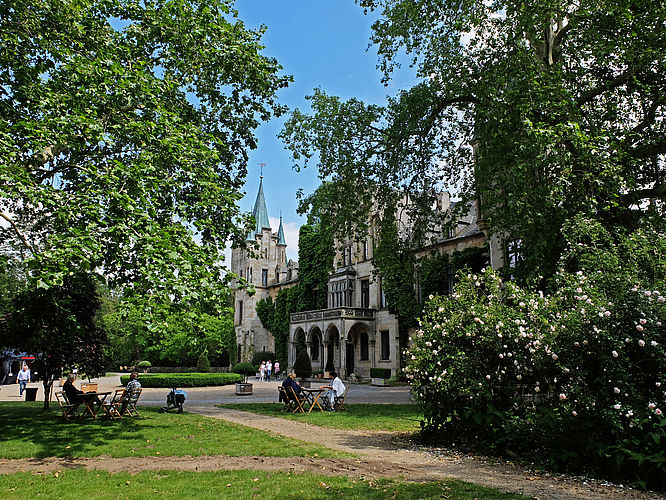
(265, 269)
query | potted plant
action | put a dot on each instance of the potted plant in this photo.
(144, 365)
(243, 388)
(379, 375)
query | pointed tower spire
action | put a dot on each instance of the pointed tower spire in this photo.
(281, 240)
(260, 213)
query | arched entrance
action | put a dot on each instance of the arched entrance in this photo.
(316, 348)
(331, 345)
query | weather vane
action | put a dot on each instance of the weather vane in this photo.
(262, 165)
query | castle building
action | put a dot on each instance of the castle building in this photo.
(357, 331)
(265, 269)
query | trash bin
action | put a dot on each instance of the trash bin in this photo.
(31, 393)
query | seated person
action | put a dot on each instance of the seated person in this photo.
(337, 388)
(290, 381)
(74, 395)
(131, 385)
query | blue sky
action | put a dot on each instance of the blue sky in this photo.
(322, 44)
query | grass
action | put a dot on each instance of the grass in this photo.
(71, 484)
(27, 431)
(380, 417)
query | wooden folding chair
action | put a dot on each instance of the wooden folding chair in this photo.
(112, 407)
(129, 403)
(283, 397)
(297, 400)
(339, 403)
(68, 409)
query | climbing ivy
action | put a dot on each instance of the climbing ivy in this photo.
(315, 256)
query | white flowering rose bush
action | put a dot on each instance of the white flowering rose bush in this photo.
(576, 377)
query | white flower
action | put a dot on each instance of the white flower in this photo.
(641, 342)
(574, 413)
(554, 357)
(616, 390)
(617, 406)
(653, 343)
(563, 396)
(488, 377)
(642, 321)
(537, 389)
(519, 377)
(657, 412)
(652, 406)
(615, 354)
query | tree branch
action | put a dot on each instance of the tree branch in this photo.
(649, 150)
(609, 85)
(19, 233)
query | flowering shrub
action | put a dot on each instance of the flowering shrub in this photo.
(577, 376)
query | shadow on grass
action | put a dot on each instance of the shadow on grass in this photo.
(48, 434)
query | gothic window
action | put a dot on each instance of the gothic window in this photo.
(240, 312)
(382, 295)
(385, 344)
(264, 277)
(365, 249)
(365, 293)
(364, 346)
(513, 253)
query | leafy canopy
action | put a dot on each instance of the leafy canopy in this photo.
(563, 103)
(124, 134)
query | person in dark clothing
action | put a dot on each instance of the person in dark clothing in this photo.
(290, 381)
(74, 395)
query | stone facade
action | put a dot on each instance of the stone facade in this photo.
(357, 330)
(265, 267)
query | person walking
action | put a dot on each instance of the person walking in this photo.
(23, 378)
(276, 369)
(269, 369)
(262, 371)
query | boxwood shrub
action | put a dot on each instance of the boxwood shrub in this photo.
(184, 379)
(380, 372)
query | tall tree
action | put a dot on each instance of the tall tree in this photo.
(124, 133)
(562, 102)
(58, 325)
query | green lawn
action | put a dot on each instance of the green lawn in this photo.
(384, 417)
(75, 483)
(27, 431)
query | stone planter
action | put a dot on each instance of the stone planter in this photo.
(243, 389)
(378, 381)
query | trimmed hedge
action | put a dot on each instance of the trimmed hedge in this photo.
(380, 372)
(169, 380)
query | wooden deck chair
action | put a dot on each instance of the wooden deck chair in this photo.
(283, 397)
(339, 403)
(297, 400)
(129, 403)
(112, 407)
(68, 410)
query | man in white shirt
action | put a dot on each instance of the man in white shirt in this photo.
(337, 388)
(23, 378)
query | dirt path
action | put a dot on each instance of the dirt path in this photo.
(381, 455)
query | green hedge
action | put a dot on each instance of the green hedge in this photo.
(380, 372)
(184, 379)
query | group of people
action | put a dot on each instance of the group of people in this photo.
(336, 389)
(266, 369)
(76, 396)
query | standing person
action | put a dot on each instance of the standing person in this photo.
(337, 388)
(277, 370)
(23, 378)
(269, 369)
(262, 371)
